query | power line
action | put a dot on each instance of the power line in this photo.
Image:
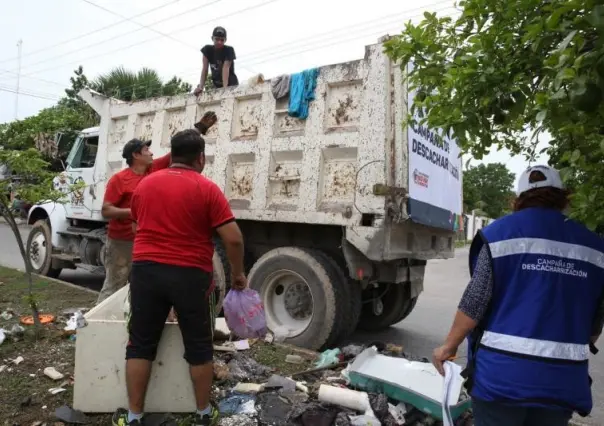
(78, 37)
(303, 42)
(184, 43)
(143, 25)
(33, 78)
(155, 38)
(25, 92)
(119, 36)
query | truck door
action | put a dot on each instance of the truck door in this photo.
(80, 168)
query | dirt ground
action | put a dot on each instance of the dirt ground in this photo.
(24, 387)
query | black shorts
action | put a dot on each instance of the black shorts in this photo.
(154, 289)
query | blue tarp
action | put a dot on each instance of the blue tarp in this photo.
(301, 92)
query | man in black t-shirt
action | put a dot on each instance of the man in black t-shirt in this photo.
(220, 58)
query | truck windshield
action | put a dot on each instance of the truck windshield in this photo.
(74, 151)
(83, 153)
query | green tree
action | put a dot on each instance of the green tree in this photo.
(488, 188)
(38, 131)
(34, 184)
(504, 68)
(131, 86)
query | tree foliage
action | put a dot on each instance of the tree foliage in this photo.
(32, 183)
(131, 86)
(488, 188)
(505, 72)
(38, 131)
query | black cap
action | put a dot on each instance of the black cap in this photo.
(219, 32)
(134, 146)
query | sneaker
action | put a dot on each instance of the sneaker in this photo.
(206, 420)
(120, 418)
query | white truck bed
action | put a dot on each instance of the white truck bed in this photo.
(346, 164)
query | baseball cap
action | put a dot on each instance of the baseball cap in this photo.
(134, 146)
(548, 177)
(219, 32)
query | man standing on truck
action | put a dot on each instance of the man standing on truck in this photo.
(532, 312)
(116, 207)
(220, 58)
(172, 267)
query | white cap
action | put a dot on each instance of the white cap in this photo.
(552, 179)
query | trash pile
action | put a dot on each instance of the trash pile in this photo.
(339, 389)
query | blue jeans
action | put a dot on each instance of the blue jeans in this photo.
(497, 414)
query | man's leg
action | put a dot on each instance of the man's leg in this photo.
(118, 264)
(547, 417)
(189, 291)
(496, 414)
(150, 306)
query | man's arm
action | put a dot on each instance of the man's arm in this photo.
(231, 236)
(226, 67)
(471, 310)
(204, 75)
(223, 221)
(113, 195)
(160, 163)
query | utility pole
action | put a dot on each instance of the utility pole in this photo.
(19, 49)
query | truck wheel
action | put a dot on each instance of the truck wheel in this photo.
(356, 305)
(343, 291)
(39, 250)
(409, 305)
(391, 297)
(299, 292)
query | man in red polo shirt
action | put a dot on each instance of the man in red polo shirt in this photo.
(172, 267)
(116, 207)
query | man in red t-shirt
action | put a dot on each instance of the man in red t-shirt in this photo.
(116, 207)
(172, 267)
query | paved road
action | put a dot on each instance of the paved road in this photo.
(422, 331)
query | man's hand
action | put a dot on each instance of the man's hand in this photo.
(239, 282)
(442, 354)
(198, 90)
(207, 121)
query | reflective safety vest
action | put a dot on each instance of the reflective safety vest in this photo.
(532, 346)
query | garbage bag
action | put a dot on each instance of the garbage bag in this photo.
(244, 313)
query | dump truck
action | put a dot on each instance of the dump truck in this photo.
(340, 211)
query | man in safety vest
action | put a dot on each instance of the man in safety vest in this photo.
(532, 311)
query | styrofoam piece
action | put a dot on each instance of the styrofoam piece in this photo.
(422, 378)
(99, 377)
(346, 398)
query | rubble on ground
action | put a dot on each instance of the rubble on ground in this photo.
(255, 387)
(249, 393)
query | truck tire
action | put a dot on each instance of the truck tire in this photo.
(344, 313)
(409, 305)
(393, 297)
(300, 295)
(356, 305)
(39, 249)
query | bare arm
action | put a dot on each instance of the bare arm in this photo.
(109, 211)
(225, 73)
(230, 234)
(204, 72)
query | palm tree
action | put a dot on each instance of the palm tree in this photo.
(128, 85)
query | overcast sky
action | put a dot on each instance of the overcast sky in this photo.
(271, 37)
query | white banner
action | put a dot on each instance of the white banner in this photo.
(434, 167)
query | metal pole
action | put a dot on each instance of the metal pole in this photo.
(19, 49)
